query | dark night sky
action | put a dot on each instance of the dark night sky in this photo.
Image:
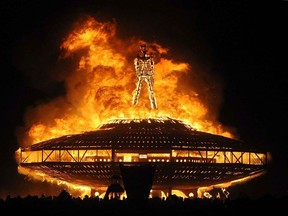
(243, 42)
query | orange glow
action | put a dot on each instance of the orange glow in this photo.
(101, 88)
(81, 190)
(102, 85)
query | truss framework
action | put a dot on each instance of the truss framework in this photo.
(183, 157)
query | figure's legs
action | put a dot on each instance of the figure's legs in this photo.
(137, 91)
(151, 93)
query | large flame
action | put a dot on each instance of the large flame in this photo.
(102, 85)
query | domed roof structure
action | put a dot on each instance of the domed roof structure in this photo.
(183, 157)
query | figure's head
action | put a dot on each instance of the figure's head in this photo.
(143, 48)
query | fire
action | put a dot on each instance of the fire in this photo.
(101, 88)
(78, 190)
(102, 85)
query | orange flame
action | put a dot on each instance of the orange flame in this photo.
(102, 85)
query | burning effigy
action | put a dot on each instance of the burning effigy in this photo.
(144, 67)
(81, 138)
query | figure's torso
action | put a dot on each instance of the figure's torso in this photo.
(144, 65)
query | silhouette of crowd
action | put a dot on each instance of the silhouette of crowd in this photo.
(65, 204)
